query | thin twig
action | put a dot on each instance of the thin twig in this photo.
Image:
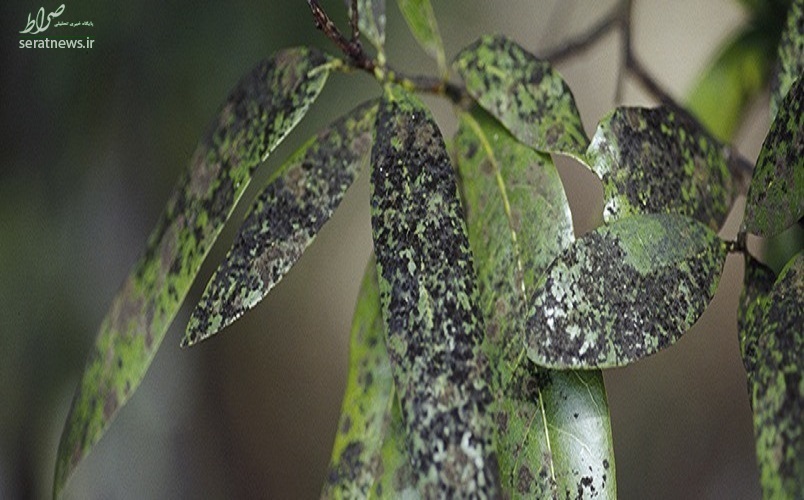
(352, 48)
(355, 22)
(575, 46)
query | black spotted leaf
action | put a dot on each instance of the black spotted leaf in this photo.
(553, 429)
(624, 291)
(396, 479)
(776, 195)
(660, 161)
(371, 21)
(757, 283)
(791, 56)
(283, 221)
(427, 288)
(264, 106)
(524, 93)
(422, 23)
(778, 386)
(366, 408)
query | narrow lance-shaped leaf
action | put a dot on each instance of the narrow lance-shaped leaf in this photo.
(422, 23)
(429, 303)
(283, 221)
(266, 104)
(553, 430)
(660, 161)
(524, 93)
(791, 56)
(776, 195)
(366, 410)
(757, 283)
(624, 291)
(371, 21)
(778, 391)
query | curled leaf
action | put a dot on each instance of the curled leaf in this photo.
(524, 93)
(284, 219)
(265, 105)
(791, 56)
(660, 161)
(429, 303)
(422, 23)
(623, 292)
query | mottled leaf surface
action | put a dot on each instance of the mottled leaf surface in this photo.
(524, 93)
(791, 56)
(758, 280)
(283, 221)
(624, 291)
(396, 479)
(660, 161)
(778, 391)
(267, 103)
(422, 23)
(366, 410)
(776, 195)
(553, 430)
(371, 21)
(429, 299)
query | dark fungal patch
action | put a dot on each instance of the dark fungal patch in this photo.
(758, 281)
(428, 295)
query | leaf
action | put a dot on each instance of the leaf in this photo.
(791, 56)
(366, 410)
(776, 195)
(371, 21)
(758, 280)
(422, 23)
(266, 104)
(283, 221)
(660, 161)
(553, 430)
(429, 303)
(778, 390)
(524, 93)
(738, 74)
(623, 292)
(396, 479)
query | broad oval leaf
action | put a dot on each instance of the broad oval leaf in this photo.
(357, 455)
(429, 303)
(283, 221)
(624, 291)
(553, 429)
(758, 280)
(791, 56)
(264, 106)
(422, 23)
(524, 93)
(371, 21)
(660, 161)
(778, 387)
(776, 195)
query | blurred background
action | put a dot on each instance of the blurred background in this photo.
(92, 141)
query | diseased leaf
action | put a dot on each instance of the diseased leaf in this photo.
(757, 283)
(623, 292)
(525, 93)
(553, 430)
(422, 23)
(397, 480)
(366, 410)
(791, 56)
(371, 21)
(776, 195)
(778, 390)
(284, 220)
(429, 303)
(660, 161)
(265, 105)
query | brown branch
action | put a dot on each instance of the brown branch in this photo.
(354, 21)
(351, 48)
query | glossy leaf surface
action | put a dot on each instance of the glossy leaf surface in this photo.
(524, 93)
(283, 221)
(422, 23)
(429, 299)
(265, 105)
(623, 292)
(791, 56)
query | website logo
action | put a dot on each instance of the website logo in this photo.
(43, 21)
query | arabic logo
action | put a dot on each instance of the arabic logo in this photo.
(41, 22)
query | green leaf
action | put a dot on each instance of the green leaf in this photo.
(371, 21)
(366, 409)
(791, 56)
(778, 386)
(397, 480)
(525, 93)
(428, 296)
(266, 104)
(623, 292)
(553, 429)
(422, 23)
(660, 161)
(776, 195)
(738, 74)
(758, 280)
(284, 219)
